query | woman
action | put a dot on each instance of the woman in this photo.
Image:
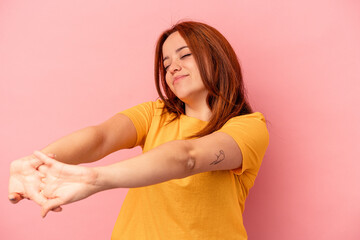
(202, 148)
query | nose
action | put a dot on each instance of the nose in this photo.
(174, 67)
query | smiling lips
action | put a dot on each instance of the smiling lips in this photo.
(177, 78)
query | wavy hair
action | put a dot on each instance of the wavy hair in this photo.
(219, 70)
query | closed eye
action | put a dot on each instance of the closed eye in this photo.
(186, 55)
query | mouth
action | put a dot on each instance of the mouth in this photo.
(177, 78)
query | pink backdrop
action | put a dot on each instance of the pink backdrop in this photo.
(68, 64)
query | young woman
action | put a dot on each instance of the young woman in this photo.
(202, 148)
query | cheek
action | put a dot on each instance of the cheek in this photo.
(168, 83)
(197, 76)
(167, 80)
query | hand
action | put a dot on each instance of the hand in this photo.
(25, 180)
(64, 183)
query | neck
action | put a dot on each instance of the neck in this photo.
(199, 111)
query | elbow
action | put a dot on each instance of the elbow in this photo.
(179, 157)
(190, 158)
(190, 164)
(97, 141)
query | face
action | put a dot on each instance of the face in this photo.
(182, 74)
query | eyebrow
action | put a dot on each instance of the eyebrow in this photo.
(177, 50)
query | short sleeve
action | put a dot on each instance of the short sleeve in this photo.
(251, 134)
(141, 116)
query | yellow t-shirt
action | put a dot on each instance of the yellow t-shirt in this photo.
(203, 206)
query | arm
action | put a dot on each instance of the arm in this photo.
(93, 143)
(176, 159)
(86, 145)
(173, 160)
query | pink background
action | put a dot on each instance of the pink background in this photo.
(68, 64)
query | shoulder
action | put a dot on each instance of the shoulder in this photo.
(150, 107)
(251, 135)
(248, 122)
(159, 107)
(248, 118)
(248, 129)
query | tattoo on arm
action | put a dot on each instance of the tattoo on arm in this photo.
(219, 157)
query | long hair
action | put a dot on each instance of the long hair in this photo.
(219, 70)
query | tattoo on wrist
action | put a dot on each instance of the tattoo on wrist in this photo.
(219, 157)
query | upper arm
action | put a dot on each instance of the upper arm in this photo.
(239, 145)
(117, 133)
(216, 151)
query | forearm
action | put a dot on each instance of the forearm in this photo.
(168, 161)
(93, 143)
(64, 183)
(79, 147)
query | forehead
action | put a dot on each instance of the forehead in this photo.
(172, 43)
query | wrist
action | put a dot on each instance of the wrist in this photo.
(99, 179)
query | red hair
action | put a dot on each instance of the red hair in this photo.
(219, 69)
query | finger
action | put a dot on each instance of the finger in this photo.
(44, 158)
(35, 162)
(43, 169)
(39, 174)
(58, 209)
(15, 197)
(51, 155)
(50, 204)
(39, 198)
